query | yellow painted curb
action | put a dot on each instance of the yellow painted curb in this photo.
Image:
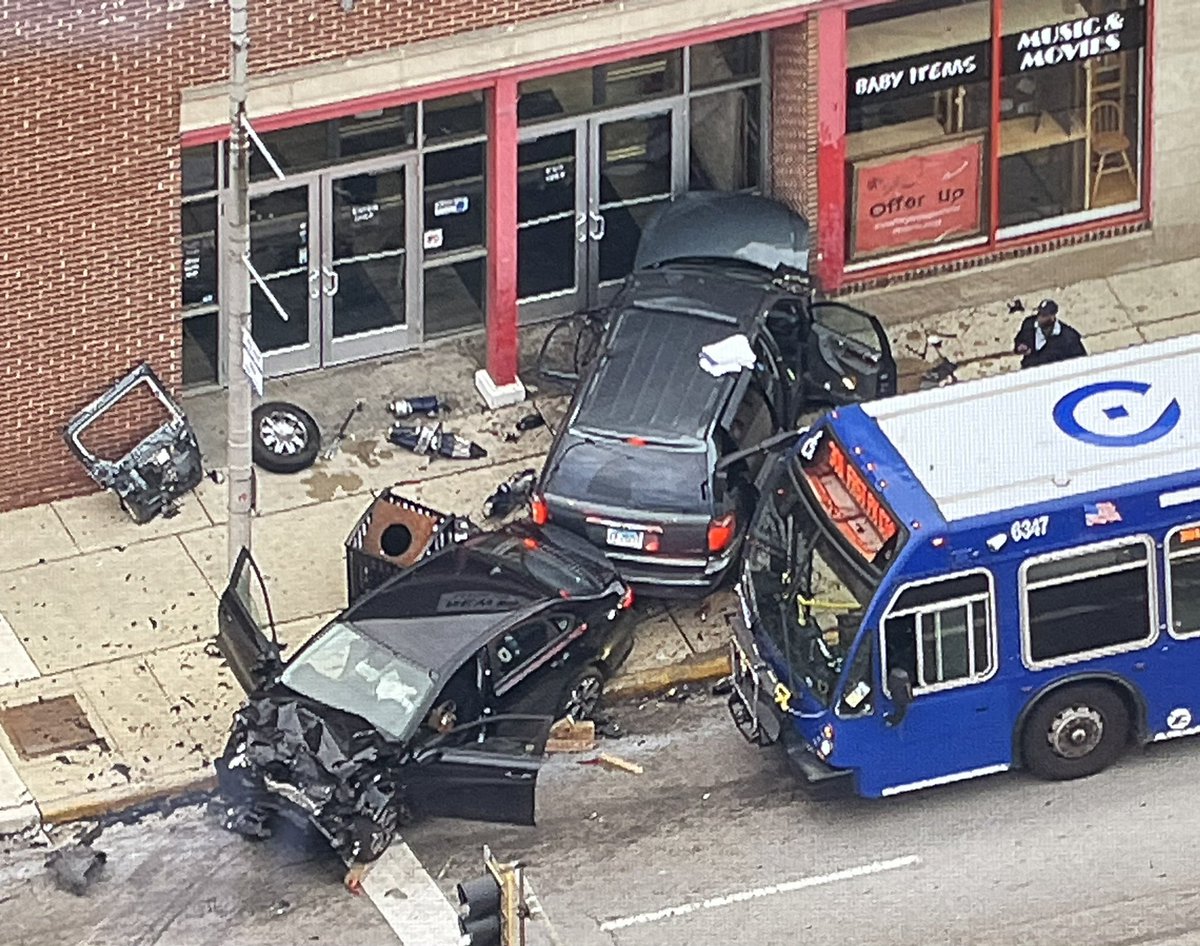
(111, 801)
(698, 668)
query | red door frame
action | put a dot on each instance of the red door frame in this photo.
(832, 174)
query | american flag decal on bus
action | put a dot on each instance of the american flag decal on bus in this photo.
(1100, 514)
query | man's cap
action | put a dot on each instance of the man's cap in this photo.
(1047, 307)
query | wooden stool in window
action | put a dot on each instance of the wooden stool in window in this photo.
(1109, 145)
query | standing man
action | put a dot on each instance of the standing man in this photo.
(1043, 338)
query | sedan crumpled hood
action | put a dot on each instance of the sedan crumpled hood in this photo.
(331, 765)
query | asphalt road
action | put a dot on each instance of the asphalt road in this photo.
(711, 844)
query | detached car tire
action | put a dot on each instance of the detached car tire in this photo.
(284, 437)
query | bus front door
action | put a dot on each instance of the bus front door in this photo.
(941, 635)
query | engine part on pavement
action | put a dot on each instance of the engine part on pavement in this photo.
(284, 437)
(531, 422)
(509, 495)
(426, 404)
(332, 449)
(423, 439)
(151, 477)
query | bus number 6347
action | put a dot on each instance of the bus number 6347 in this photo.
(1029, 528)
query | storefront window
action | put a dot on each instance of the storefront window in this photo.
(607, 86)
(456, 116)
(199, 269)
(454, 239)
(454, 299)
(726, 140)
(200, 349)
(918, 95)
(922, 130)
(726, 60)
(383, 131)
(454, 200)
(1069, 110)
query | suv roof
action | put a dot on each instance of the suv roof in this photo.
(642, 387)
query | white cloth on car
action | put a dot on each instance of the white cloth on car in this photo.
(727, 356)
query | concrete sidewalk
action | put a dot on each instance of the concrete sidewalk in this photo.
(109, 691)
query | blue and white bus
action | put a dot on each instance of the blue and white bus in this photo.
(996, 574)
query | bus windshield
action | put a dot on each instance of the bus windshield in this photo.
(807, 598)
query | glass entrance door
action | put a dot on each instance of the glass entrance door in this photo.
(552, 231)
(634, 173)
(334, 253)
(285, 317)
(366, 264)
(585, 190)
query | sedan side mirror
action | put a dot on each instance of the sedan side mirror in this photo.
(900, 688)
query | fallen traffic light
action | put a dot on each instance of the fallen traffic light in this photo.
(491, 911)
(479, 920)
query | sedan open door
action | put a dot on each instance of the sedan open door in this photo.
(848, 358)
(484, 771)
(244, 621)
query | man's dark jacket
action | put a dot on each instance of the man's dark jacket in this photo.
(1066, 344)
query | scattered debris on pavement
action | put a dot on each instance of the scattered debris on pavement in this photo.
(77, 866)
(613, 762)
(531, 422)
(424, 439)
(510, 495)
(568, 735)
(428, 404)
(355, 875)
(331, 451)
(610, 761)
(149, 478)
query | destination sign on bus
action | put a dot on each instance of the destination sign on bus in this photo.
(844, 496)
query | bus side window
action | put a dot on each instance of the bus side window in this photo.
(942, 632)
(1090, 600)
(1183, 564)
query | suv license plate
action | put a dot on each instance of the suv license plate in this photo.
(626, 538)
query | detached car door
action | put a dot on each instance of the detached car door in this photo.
(244, 621)
(483, 771)
(847, 357)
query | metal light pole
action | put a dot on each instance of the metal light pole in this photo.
(236, 298)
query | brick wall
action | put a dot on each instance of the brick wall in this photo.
(89, 209)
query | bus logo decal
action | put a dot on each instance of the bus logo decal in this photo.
(1065, 411)
(1179, 718)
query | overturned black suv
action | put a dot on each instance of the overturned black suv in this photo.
(431, 695)
(655, 463)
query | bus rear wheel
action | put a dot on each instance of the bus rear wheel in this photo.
(1075, 732)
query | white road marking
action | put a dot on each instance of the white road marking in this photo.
(15, 662)
(877, 867)
(416, 911)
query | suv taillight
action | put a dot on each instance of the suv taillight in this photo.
(539, 510)
(720, 532)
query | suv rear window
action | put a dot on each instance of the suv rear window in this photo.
(649, 478)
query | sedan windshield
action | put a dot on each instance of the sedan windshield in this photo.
(807, 600)
(347, 671)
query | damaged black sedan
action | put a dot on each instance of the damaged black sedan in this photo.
(431, 695)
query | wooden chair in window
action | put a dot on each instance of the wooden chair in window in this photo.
(1109, 145)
